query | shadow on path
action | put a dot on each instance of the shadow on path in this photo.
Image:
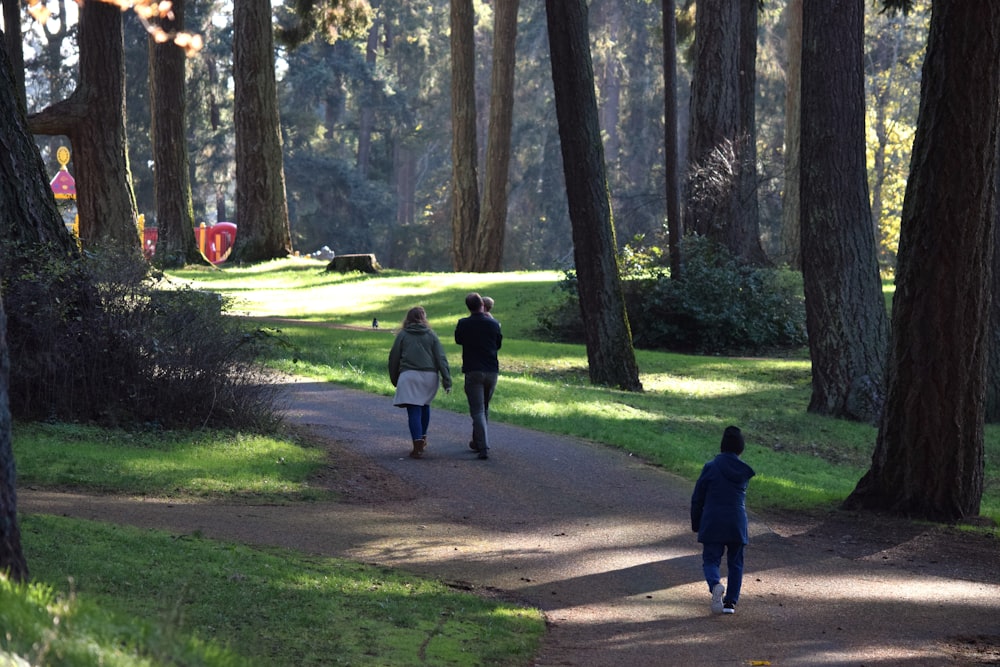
(601, 541)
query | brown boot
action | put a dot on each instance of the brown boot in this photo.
(418, 448)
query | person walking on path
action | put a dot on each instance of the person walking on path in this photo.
(719, 516)
(480, 338)
(416, 359)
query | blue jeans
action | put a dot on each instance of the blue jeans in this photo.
(479, 387)
(418, 417)
(711, 559)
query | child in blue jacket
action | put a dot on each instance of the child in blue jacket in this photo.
(719, 516)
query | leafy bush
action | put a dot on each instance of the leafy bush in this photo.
(716, 306)
(100, 340)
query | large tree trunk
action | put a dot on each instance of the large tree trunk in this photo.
(93, 117)
(12, 560)
(606, 329)
(494, 214)
(464, 148)
(722, 173)
(28, 217)
(176, 245)
(845, 309)
(15, 52)
(791, 220)
(928, 459)
(671, 150)
(261, 207)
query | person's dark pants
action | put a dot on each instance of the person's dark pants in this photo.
(418, 417)
(479, 388)
(711, 560)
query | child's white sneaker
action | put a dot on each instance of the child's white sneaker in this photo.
(717, 592)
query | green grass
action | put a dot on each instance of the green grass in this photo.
(214, 603)
(803, 461)
(199, 602)
(164, 463)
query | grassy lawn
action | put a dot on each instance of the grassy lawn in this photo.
(200, 602)
(803, 461)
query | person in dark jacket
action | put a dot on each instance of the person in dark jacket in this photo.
(416, 359)
(480, 338)
(719, 516)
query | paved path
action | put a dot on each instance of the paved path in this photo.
(602, 543)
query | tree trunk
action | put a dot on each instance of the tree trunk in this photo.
(15, 51)
(12, 560)
(791, 220)
(464, 148)
(928, 459)
(721, 180)
(93, 117)
(366, 115)
(845, 309)
(28, 217)
(261, 207)
(606, 328)
(176, 245)
(489, 256)
(671, 151)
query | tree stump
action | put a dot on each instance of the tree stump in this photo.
(365, 263)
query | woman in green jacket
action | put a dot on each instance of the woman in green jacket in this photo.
(416, 360)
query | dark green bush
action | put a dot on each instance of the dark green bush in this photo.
(103, 340)
(717, 306)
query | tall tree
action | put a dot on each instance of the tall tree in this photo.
(489, 253)
(464, 147)
(791, 219)
(261, 206)
(721, 197)
(928, 459)
(670, 140)
(93, 117)
(12, 37)
(12, 561)
(176, 245)
(606, 329)
(845, 310)
(28, 217)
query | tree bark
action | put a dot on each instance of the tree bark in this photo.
(928, 459)
(15, 50)
(609, 340)
(722, 173)
(176, 245)
(28, 217)
(489, 256)
(671, 151)
(464, 148)
(791, 219)
(845, 309)
(261, 207)
(93, 117)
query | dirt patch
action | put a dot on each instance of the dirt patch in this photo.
(353, 477)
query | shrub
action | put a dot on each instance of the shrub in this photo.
(716, 306)
(102, 340)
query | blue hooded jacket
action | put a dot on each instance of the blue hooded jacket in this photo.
(718, 504)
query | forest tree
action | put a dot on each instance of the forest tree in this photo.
(928, 459)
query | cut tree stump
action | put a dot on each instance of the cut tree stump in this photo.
(365, 263)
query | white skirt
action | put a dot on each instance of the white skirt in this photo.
(416, 388)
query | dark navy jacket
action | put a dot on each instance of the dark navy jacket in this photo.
(480, 338)
(718, 504)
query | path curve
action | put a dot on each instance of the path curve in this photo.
(601, 542)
